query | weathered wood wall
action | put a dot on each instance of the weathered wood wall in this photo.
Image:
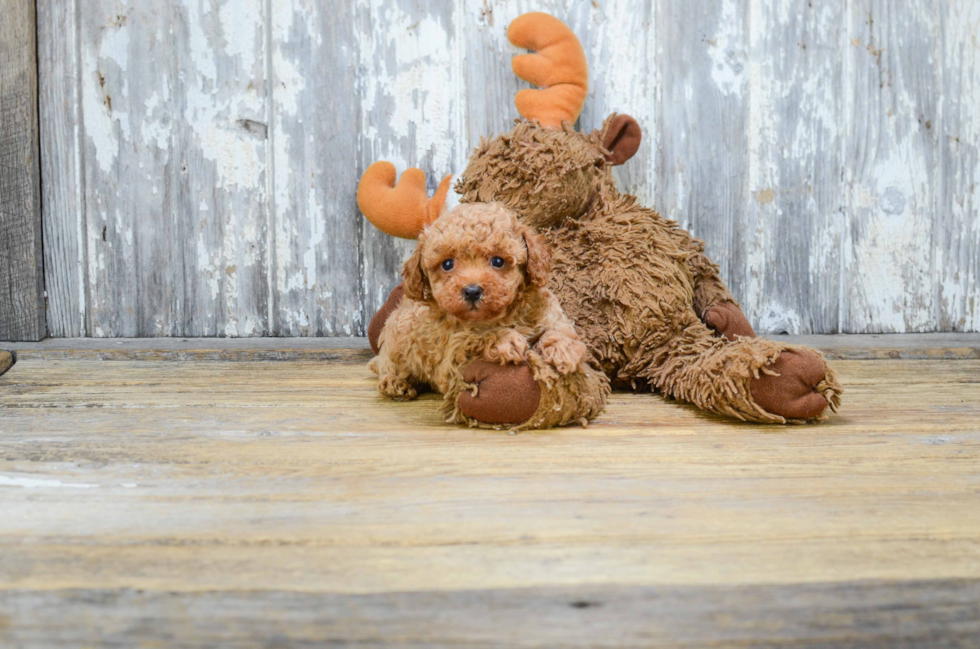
(21, 278)
(200, 156)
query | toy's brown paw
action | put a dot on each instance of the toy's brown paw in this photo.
(506, 394)
(381, 317)
(728, 320)
(795, 393)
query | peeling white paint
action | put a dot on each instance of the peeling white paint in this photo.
(780, 319)
(115, 46)
(725, 50)
(241, 29)
(100, 123)
(902, 237)
(411, 67)
(156, 125)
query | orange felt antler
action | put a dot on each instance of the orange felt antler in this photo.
(559, 67)
(401, 210)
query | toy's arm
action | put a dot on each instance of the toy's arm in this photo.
(713, 302)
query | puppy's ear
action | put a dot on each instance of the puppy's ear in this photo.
(416, 282)
(538, 258)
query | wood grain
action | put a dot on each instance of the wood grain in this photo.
(957, 223)
(219, 501)
(22, 310)
(825, 152)
(852, 614)
(318, 227)
(219, 143)
(892, 97)
(703, 57)
(792, 244)
(65, 241)
(126, 85)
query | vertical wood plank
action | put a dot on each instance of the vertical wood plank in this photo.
(891, 166)
(703, 169)
(173, 98)
(219, 150)
(958, 208)
(316, 122)
(620, 40)
(792, 243)
(412, 98)
(22, 314)
(63, 219)
(135, 278)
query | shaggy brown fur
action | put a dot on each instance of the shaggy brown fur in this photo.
(437, 330)
(635, 284)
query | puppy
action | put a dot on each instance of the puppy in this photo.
(475, 288)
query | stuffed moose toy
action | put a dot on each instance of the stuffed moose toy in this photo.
(647, 302)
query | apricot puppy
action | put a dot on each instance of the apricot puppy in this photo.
(475, 289)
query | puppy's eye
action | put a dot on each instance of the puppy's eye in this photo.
(447, 265)
(497, 262)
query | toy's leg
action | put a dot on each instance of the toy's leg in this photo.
(379, 319)
(524, 396)
(750, 378)
(712, 300)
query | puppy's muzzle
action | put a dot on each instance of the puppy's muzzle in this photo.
(472, 294)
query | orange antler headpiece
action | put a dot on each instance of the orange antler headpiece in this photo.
(558, 67)
(401, 210)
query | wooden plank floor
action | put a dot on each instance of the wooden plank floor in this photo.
(243, 502)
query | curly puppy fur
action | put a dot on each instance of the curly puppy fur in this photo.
(438, 328)
(635, 284)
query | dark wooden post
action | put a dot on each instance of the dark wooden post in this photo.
(21, 259)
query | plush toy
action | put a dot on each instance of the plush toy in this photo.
(646, 300)
(475, 302)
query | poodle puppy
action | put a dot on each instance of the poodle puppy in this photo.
(474, 295)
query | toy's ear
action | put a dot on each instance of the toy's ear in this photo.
(538, 266)
(621, 136)
(416, 282)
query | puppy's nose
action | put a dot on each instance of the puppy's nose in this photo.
(472, 293)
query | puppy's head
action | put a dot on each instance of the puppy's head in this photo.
(475, 262)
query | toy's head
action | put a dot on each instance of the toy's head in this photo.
(475, 262)
(546, 175)
(544, 170)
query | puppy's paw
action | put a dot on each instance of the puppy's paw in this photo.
(510, 348)
(561, 352)
(395, 388)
